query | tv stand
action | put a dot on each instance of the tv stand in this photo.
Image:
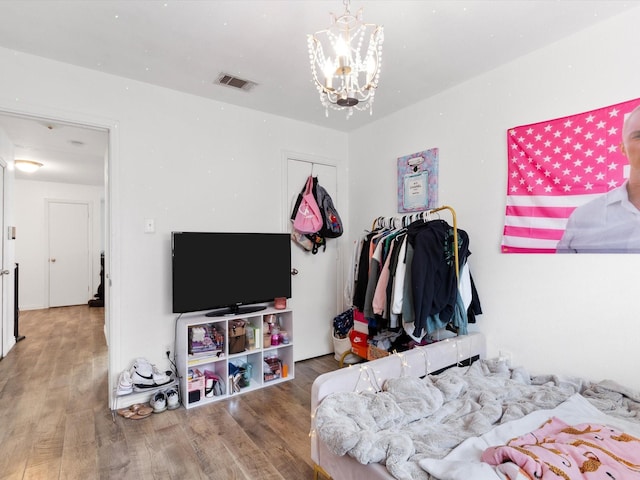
(236, 310)
(264, 364)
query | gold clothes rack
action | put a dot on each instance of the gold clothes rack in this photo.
(406, 220)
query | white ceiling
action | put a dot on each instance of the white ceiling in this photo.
(69, 153)
(429, 47)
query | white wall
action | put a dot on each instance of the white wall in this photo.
(564, 314)
(188, 163)
(31, 237)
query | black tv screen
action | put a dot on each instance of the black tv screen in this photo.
(229, 272)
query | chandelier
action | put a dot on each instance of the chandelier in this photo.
(347, 74)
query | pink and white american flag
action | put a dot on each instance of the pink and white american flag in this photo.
(556, 166)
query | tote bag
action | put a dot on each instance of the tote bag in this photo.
(308, 218)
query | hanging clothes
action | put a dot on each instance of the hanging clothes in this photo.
(433, 278)
(362, 274)
(409, 276)
(399, 271)
(396, 280)
(382, 293)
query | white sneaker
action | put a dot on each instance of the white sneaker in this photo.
(125, 385)
(160, 378)
(159, 402)
(145, 376)
(173, 399)
(142, 372)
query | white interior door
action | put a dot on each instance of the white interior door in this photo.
(6, 329)
(314, 292)
(69, 253)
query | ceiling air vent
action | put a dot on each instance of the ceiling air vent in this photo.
(234, 82)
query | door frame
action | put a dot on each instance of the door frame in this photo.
(90, 241)
(112, 269)
(7, 324)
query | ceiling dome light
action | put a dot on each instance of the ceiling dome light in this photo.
(27, 166)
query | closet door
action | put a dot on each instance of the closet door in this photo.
(314, 287)
(69, 253)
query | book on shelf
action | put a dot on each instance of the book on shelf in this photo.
(197, 356)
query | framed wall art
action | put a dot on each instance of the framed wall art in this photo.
(418, 181)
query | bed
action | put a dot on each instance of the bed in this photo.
(445, 412)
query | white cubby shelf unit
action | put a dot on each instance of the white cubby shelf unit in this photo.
(220, 363)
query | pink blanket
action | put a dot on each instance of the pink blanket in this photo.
(560, 451)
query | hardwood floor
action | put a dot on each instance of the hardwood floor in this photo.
(55, 422)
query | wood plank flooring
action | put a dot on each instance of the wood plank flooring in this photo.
(55, 422)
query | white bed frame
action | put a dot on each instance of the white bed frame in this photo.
(371, 376)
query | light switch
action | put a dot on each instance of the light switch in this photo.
(149, 225)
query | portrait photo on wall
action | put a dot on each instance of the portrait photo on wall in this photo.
(418, 181)
(574, 183)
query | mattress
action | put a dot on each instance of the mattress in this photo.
(390, 413)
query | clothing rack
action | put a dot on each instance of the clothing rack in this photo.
(406, 220)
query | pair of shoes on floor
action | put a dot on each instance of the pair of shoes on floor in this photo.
(173, 398)
(145, 376)
(135, 412)
(163, 400)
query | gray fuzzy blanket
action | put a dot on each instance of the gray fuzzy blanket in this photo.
(415, 418)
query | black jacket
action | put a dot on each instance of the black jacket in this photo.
(433, 272)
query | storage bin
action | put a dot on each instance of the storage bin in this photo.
(360, 323)
(237, 336)
(340, 347)
(273, 368)
(375, 352)
(195, 388)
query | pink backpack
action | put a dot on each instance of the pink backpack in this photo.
(308, 218)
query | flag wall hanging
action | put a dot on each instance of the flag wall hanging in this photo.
(556, 166)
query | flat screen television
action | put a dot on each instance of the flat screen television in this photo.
(229, 273)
